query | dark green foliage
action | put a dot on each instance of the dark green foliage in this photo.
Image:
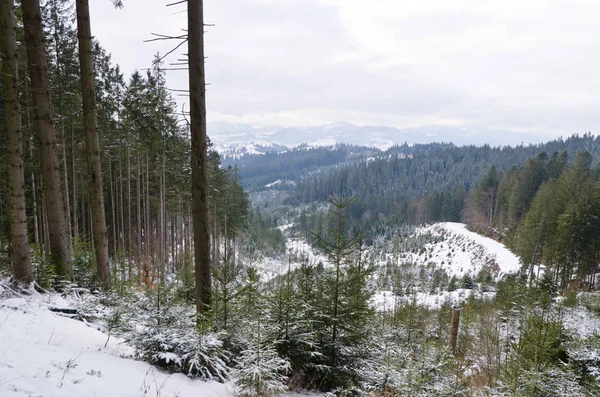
(467, 282)
(345, 310)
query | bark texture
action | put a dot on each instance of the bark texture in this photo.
(199, 171)
(14, 145)
(90, 125)
(454, 329)
(52, 190)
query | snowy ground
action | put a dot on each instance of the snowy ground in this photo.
(45, 354)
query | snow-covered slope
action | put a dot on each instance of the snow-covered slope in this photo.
(459, 251)
(449, 246)
(44, 354)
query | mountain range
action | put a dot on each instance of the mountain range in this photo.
(240, 139)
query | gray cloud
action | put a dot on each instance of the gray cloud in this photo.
(527, 66)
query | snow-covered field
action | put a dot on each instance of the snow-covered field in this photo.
(45, 354)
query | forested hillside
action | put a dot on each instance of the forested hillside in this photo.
(290, 166)
(548, 211)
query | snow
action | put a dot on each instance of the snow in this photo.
(300, 251)
(460, 251)
(45, 354)
(385, 301)
(277, 182)
(323, 142)
(579, 321)
(506, 260)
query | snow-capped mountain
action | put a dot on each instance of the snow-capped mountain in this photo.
(239, 139)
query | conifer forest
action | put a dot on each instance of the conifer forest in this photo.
(139, 258)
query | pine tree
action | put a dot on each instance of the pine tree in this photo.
(345, 301)
(260, 371)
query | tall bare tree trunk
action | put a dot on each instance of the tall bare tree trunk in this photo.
(36, 213)
(164, 208)
(138, 204)
(199, 171)
(121, 211)
(113, 210)
(160, 221)
(66, 180)
(84, 236)
(74, 179)
(147, 225)
(129, 204)
(53, 196)
(61, 138)
(90, 125)
(14, 145)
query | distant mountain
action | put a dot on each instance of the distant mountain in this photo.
(237, 139)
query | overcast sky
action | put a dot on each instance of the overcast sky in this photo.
(523, 65)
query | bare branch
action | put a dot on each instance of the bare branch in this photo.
(172, 51)
(165, 37)
(177, 2)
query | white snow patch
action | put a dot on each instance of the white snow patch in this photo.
(277, 182)
(386, 301)
(460, 251)
(506, 260)
(45, 354)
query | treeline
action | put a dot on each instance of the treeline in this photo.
(548, 212)
(144, 156)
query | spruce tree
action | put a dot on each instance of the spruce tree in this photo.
(345, 298)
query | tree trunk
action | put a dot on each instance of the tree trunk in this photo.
(53, 197)
(454, 329)
(74, 179)
(90, 126)
(121, 211)
(198, 135)
(113, 210)
(128, 166)
(62, 139)
(36, 212)
(14, 146)
(138, 204)
(66, 180)
(147, 225)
